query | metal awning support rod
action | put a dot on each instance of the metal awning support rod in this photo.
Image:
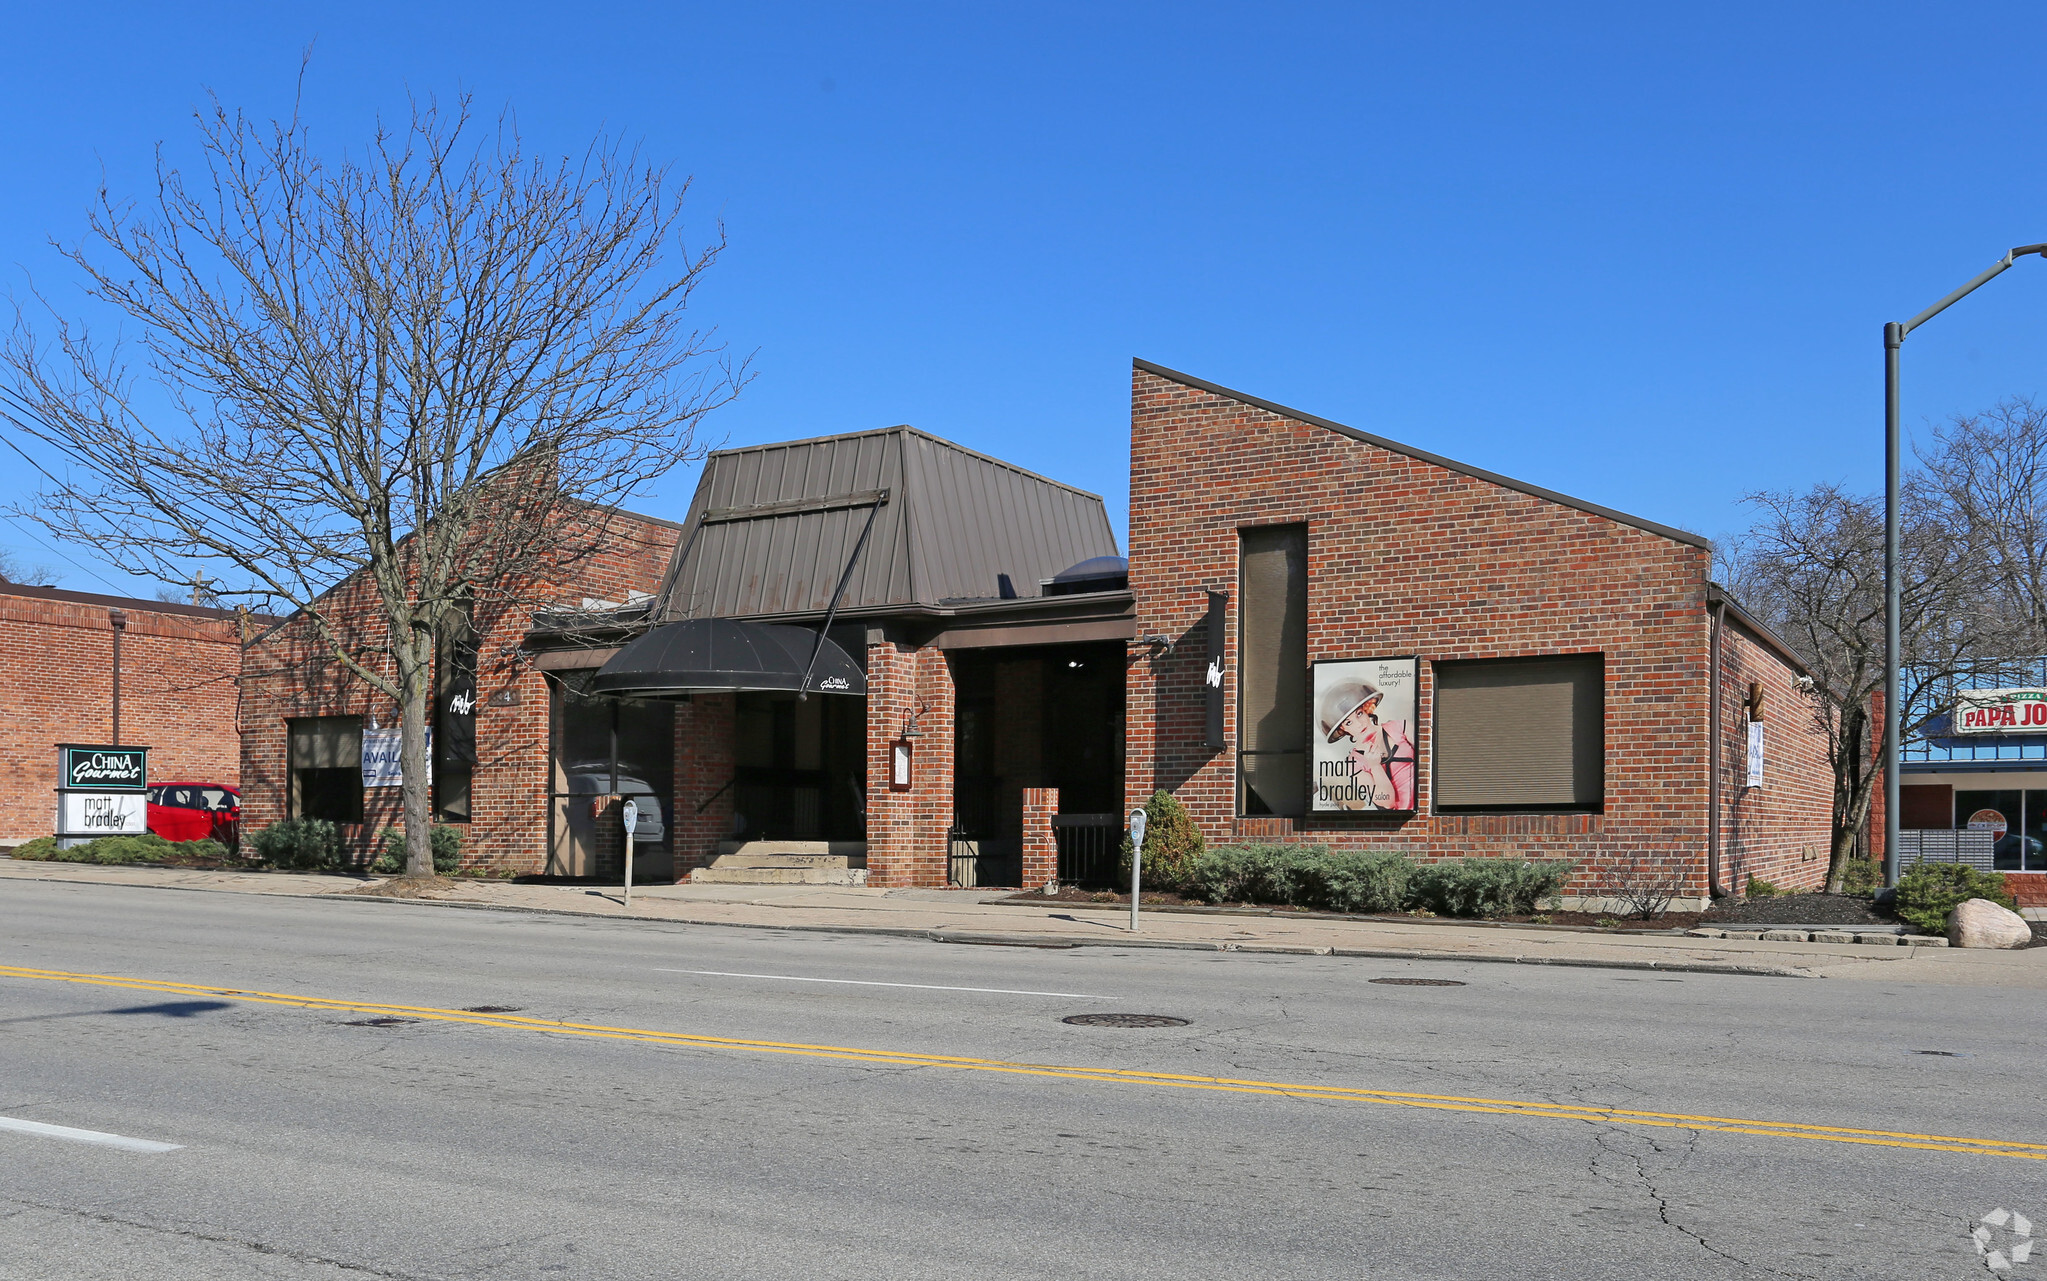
(839, 592)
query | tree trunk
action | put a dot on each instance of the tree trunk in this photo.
(414, 684)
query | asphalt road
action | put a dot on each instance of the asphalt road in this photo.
(711, 1113)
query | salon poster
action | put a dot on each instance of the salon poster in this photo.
(1362, 735)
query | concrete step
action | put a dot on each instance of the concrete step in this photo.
(781, 860)
(854, 850)
(778, 876)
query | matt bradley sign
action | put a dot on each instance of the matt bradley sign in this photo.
(2000, 711)
(102, 769)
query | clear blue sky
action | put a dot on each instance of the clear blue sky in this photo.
(1640, 254)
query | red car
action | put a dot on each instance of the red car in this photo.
(194, 811)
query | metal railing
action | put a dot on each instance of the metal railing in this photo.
(1089, 848)
(1939, 845)
(973, 861)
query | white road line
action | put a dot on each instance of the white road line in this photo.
(928, 987)
(121, 1141)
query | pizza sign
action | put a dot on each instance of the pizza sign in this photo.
(2000, 711)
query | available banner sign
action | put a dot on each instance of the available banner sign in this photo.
(2000, 711)
(1362, 738)
(383, 763)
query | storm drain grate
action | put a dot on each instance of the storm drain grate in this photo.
(1124, 1020)
(1419, 982)
(379, 1022)
(491, 1009)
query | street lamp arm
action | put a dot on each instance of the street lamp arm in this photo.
(1959, 294)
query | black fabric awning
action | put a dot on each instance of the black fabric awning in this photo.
(708, 655)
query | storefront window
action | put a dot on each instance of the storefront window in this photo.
(1272, 669)
(454, 718)
(2007, 812)
(326, 768)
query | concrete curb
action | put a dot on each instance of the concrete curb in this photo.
(986, 938)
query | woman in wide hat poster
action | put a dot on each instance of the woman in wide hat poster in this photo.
(1364, 750)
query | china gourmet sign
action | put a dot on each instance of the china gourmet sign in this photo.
(2000, 711)
(103, 769)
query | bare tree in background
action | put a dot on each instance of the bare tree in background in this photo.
(1984, 479)
(437, 364)
(12, 570)
(1812, 568)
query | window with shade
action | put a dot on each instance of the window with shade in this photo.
(1524, 734)
(325, 755)
(1272, 670)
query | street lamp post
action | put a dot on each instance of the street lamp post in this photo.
(1894, 337)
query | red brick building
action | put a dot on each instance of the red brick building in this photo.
(882, 657)
(1592, 640)
(305, 717)
(177, 694)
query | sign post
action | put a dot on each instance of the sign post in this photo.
(1136, 861)
(101, 791)
(631, 813)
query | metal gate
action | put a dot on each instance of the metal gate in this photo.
(1090, 847)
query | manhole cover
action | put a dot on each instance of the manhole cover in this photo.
(1419, 982)
(490, 1009)
(1124, 1020)
(384, 1022)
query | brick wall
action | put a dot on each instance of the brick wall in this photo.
(1040, 845)
(285, 675)
(1779, 832)
(178, 667)
(1408, 557)
(906, 831)
(703, 777)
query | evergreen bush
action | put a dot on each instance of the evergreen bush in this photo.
(447, 850)
(303, 844)
(1862, 877)
(1487, 886)
(1929, 891)
(1171, 842)
(146, 847)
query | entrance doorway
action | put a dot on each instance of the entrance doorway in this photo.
(603, 746)
(1044, 716)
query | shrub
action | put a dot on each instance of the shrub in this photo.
(1373, 881)
(1171, 841)
(146, 847)
(1929, 891)
(1760, 888)
(447, 848)
(1862, 877)
(309, 844)
(1488, 886)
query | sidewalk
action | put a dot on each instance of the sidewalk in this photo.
(972, 916)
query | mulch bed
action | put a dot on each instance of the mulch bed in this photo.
(1799, 909)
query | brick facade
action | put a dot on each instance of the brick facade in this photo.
(1409, 556)
(909, 693)
(285, 676)
(1768, 832)
(1040, 844)
(178, 668)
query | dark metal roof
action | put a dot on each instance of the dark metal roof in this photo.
(772, 526)
(1477, 473)
(716, 654)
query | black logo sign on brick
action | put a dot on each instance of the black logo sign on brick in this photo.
(106, 769)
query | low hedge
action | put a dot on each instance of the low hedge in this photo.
(1315, 876)
(302, 844)
(447, 851)
(1929, 891)
(147, 847)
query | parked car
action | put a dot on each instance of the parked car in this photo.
(195, 811)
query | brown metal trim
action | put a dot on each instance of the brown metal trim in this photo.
(796, 506)
(1103, 629)
(572, 660)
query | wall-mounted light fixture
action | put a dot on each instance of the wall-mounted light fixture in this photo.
(900, 764)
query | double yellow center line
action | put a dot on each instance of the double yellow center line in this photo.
(2027, 1151)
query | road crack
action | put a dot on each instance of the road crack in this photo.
(212, 1238)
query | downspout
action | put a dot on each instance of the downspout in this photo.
(1716, 622)
(118, 621)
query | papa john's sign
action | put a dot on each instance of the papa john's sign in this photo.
(2000, 711)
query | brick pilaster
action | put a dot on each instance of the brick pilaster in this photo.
(1040, 845)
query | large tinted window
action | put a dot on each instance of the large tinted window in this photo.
(325, 755)
(1521, 734)
(1272, 669)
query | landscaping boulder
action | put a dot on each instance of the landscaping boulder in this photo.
(1982, 923)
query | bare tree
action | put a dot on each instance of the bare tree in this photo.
(1984, 479)
(1812, 568)
(434, 366)
(12, 570)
